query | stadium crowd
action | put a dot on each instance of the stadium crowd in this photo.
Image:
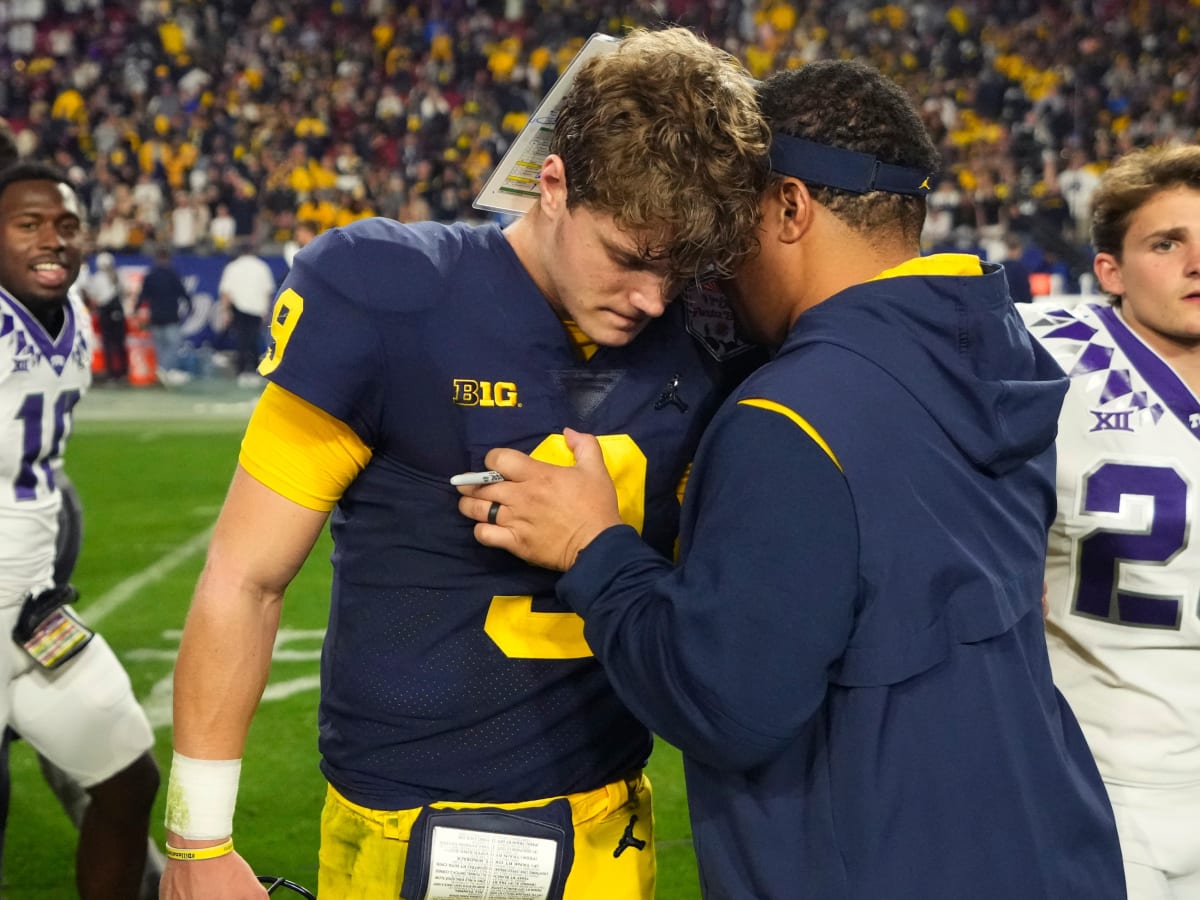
(201, 121)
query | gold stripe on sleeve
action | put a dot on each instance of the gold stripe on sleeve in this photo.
(300, 451)
(807, 428)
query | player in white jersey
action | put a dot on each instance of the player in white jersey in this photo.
(61, 688)
(1123, 567)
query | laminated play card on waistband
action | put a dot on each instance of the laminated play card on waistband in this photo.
(490, 853)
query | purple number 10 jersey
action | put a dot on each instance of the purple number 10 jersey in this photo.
(41, 379)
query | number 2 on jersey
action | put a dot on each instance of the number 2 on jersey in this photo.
(1103, 552)
(511, 622)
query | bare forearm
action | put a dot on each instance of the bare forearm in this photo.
(260, 541)
(224, 662)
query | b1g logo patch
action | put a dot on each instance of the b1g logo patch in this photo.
(710, 319)
(469, 392)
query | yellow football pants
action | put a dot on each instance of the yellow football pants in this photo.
(363, 851)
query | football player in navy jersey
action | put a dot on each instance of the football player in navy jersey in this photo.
(470, 740)
(851, 653)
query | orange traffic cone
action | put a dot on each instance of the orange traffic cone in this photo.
(143, 367)
(99, 363)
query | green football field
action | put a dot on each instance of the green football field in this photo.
(152, 469)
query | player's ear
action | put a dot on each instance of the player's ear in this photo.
(552, 189)
(792, 206)
(1108, 272)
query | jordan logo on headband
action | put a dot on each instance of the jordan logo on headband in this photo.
(845, 170)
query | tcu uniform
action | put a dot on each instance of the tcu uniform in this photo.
(1123, 573)
(450, 671)
(41, 380)
(82, 716)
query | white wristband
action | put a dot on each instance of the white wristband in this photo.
(201, 796)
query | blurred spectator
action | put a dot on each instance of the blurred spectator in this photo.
(189, 222)
(306, 230)
(113, 233)
(415, 208)
(318, 207)
(1078, 183)
(943, 213)
(242, 203)
(102, 290)
(247, 290)
(1016, 271)
(148, 202)
(222, 229)
(165, 303)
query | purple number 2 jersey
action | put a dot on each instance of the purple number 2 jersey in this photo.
(1123, 576)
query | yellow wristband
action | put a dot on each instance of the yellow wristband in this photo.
(193, 853)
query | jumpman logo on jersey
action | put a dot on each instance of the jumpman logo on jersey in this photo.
(1115, 420)
(1194, 421)
(628, 840)
(670, 396)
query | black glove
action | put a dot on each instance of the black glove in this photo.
(49, 629)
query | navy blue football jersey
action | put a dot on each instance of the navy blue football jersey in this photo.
(450, 670)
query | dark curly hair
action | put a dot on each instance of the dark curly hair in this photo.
(848, 104)
(32, 171)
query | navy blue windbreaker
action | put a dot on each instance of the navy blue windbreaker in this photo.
(851, 654)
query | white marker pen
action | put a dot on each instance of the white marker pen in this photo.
(488, 477)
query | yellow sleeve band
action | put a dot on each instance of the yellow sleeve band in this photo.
(794, 416)
(300, 451)
(188, 854)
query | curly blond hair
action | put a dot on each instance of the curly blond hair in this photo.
(664, 135)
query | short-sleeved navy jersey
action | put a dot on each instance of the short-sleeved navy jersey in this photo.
(450, 670)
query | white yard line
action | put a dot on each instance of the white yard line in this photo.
(120, 594)
(158, 704)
